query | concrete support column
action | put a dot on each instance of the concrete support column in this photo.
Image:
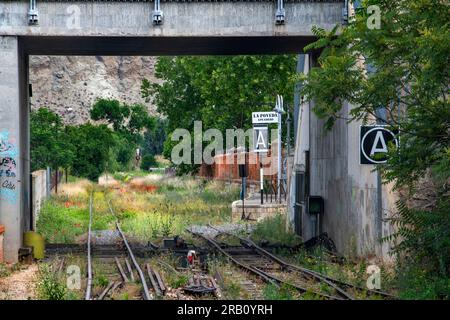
(13, 144)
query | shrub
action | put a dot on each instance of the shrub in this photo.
(272, 292)
(148, 161)
(273, 229)
(48, 286)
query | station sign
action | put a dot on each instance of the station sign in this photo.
(260, 139)
(373, 143)
(264, 117)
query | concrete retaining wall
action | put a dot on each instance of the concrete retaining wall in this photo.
(39, 192)
(256, 211)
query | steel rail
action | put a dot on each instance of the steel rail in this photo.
(266, 277)
(89, 262)
(147, 295)
(286, 265)
(307, 272)
(328, 280)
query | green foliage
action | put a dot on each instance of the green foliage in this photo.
(48, 286)
(222, 92)
(233, 290)
(100, 281)
(92, 152)
(423, 238)
(274, 229)
(177, 281)
(60, 224)
(152, 225)
(126, 119)
(4, 271)
(110, 110)
(148, 161)
(407, 59)
(154, 139)
(426, 233)
(49, 145)
(128, 122)
(284, 292)
(417, 284)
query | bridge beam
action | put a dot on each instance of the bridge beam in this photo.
(181, 18)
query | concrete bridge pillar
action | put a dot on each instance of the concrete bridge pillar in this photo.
(14, 155)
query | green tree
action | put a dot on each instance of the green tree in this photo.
(220, 91)
(93, 145)
(127, 120)
(49, 145)
(154, 139)
(148, 161)
(408, 59)
(129, 123)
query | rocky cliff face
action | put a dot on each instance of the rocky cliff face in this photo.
(70, 85)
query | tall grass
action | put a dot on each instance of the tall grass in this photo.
(177, 203)
(274, 229)
(62, 221)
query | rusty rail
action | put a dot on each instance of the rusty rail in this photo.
(147, 295)
(310, 273)
(266, 277)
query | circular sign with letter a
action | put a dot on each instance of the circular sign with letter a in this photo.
(373, 143)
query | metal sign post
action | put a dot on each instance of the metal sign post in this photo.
(261, 145)
(243, 172)
(279, 109)
(261, 178)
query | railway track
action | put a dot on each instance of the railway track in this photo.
(272, 269)
(260, 267)
(123, 269)
(124, 259)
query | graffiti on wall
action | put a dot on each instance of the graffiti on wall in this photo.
(8, 168)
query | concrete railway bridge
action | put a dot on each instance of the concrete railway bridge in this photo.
(155, 28)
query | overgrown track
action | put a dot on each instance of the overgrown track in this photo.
(341, 288)
(255, 264)
(147, 295)
(129, 252)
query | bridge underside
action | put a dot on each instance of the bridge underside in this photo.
(158, 46)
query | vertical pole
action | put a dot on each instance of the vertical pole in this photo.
(48, 180)
(56, 179)
(243, 197)
(279, 156)
(288, 132)
(261, 178)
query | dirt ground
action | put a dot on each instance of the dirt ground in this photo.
(19, 285)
